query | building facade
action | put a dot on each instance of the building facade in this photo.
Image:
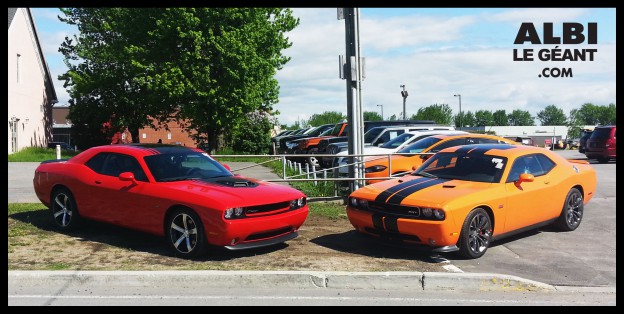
(31, 93)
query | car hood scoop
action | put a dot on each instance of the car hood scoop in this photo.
(234, 182)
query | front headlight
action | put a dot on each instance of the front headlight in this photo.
(377, 168)
(439, 214)
(298, 203)
(234, 213)
(358, 203)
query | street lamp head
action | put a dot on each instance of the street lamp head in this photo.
(457, 95)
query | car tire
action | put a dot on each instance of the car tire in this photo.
(185, 233)
(572, 212)
(64, 209)
(476, 234)
(603, 160)
(312, 160)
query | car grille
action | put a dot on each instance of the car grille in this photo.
(397, 211)
(252, 211)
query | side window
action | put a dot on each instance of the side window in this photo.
(451, 143)
(486, 141)
(546, 163)
(526, 164)
(115, 164)
(97, 162)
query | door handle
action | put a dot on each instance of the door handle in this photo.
(98, 182)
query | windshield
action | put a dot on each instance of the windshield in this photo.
(462, 166)
(397, 141)
(185, 165)
(420, 145)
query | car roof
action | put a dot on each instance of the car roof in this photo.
(434, 132)
(506, 150)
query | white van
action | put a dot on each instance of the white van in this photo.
(381, 134)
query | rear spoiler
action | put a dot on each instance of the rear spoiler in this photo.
(579, 161)
(54, 160)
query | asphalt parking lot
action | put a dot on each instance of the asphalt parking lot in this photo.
(584, 257)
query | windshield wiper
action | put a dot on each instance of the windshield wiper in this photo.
(426, 174)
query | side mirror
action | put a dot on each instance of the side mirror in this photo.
(127, 176)
(525, 177)
(226, 166)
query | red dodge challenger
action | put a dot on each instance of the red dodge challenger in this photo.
(177, 192)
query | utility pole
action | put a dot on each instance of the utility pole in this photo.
(382, 116)
(352, 71)
(404, 94)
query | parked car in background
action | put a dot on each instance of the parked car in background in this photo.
(288, 142)
(375, 136)
(601, 144)
(465, 197)
(389, 147)
(64, 146)
(585, 134)
(177, 192)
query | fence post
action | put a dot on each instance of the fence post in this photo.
(283, 166)
(314, 174)
(307, 171)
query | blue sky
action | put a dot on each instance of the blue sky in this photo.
(434, 52)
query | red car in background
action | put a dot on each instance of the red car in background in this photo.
(178, 192)
(601, 144)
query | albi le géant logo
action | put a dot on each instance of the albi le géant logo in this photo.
(572, 34)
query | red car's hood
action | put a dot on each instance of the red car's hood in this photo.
(420, 191)
(236, 191)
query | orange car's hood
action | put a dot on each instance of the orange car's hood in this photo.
(421, 191)
(234, 191)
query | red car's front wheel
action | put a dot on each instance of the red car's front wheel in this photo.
(185, 233)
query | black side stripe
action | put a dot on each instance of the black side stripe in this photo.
(480, 149)
(383, 196)
(397, 198)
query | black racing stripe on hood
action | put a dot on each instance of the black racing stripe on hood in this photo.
(481, 149)
(397, 198)
(383, 196)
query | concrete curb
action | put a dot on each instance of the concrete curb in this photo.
(280, 279)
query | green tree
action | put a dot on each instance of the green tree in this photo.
(393, 118)
(607, 114)
(253, 135)
(372, 116)
(483, 118)
(551, 115)
(468, 119)
(500, 118)
(441, 114)
(205, 67)
(327, 117)
(520, 117)
(589, 114)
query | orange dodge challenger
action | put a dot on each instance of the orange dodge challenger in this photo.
(464, 197)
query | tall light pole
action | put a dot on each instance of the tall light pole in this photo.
(381, 111)
(404, 95)
(460, 113)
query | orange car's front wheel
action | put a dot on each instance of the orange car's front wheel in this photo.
(476, 234)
